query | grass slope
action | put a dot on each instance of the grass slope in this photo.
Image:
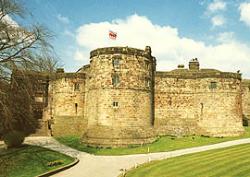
(228, 162)
(29, 161)
(166, 143)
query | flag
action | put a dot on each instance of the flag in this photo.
(112, 35)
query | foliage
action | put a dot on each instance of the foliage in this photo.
(13, 139)
(166, 143)
(230, 162)
(22, 49)
(29, 161)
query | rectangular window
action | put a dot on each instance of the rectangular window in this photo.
(76, 87)
(147, 65)
(115, 79)
(147, 82)
(39, 99)
(116, 63)
(76, 106)
(213, 85)
(115, 104)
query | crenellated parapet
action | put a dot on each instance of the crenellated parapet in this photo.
(122, 50)
(194, 72)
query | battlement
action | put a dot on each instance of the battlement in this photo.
(203, 73)
(194, 72)
(68, 75)
(122, 50)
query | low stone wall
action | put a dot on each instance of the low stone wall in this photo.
(106, 136)
(68, 125)
(43, 129)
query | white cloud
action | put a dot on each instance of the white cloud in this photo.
(63, 19)
(225, 37)
(80, 55)
(245, 13)
(216, 5)
(218, 20)
(7, 19)
(167, 46)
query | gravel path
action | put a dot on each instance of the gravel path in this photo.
(51, 143)
(112, 166)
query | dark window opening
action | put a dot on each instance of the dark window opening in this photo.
(147, 65)
(115, 104)
(76, 105)
(115, 80)
(147, 82)
(76, 87)
(213, 85)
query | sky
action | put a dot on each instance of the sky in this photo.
(217, 32)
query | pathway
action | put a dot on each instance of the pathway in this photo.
(51, 143)
(112, 166)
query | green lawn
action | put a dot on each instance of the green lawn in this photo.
(227, 162)
(166, 143)
(29, 161)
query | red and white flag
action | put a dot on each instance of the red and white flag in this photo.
(112, 35)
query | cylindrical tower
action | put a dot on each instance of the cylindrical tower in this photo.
(120, 97)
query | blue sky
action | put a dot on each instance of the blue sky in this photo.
(217, 32)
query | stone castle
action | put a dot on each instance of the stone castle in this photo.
(120, 99)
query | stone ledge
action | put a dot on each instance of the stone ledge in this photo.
(120, 50)
(52, 172)
(196, 74)
(117, 142)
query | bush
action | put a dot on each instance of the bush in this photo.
(55, 163)
(13, 139)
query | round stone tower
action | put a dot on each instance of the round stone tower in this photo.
(120, 97)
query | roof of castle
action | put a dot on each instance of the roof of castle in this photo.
(83, 69)
(246, 82)
(201, 73)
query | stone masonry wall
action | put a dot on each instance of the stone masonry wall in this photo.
(119, 99)
(186, 103)
(119, 114)
(67, 95)
(246, 101)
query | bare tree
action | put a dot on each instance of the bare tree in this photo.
(22, 46)
(22, 49)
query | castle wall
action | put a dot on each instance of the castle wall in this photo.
(186, 103)
(67, 95)
(118, 100)
(246, 101)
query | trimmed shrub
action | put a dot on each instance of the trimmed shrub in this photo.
(13, 139)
